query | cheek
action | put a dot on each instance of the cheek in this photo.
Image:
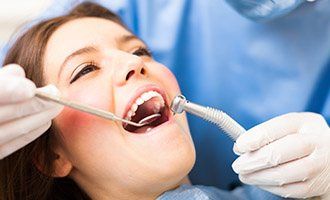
(168, 79)
(72, 121)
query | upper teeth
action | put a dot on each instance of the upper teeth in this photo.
(143, 98)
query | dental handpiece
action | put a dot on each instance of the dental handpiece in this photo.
(217, 117)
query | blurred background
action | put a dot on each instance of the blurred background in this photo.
(14, 13)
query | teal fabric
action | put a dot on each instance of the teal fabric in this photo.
(198, 192)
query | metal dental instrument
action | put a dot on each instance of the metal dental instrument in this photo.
(94, 111)
(218, 117)
(149, 119)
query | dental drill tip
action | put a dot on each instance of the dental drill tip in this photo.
(177, 105)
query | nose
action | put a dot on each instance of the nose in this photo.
(130, 67)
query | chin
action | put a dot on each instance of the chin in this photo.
(169, 171)
(175, 156)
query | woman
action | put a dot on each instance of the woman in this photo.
(104, 65)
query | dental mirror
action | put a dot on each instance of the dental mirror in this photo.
(149, 119)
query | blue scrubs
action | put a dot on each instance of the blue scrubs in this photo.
(199, 192)
(253, 71)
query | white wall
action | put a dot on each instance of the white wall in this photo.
(14, 13)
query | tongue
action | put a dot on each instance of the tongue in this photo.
(146, 109)
(142, 129)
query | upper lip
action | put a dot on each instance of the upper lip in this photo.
(139, 92)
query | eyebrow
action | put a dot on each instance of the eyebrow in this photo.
(127, 38)
(85, 50)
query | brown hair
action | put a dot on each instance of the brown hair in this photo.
(20, 178)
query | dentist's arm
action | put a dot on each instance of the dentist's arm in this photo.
(23, 117)
(288, 156)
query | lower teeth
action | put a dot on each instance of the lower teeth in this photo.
(149, 129)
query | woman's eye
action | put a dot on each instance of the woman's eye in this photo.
(142, 51)
(85, 70)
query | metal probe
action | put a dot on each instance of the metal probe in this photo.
(94, 111)
(218, 117)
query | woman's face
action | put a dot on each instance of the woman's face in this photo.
(99, 63)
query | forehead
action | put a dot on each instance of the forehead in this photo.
(85, 31)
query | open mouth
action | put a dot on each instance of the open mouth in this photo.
(148, 103)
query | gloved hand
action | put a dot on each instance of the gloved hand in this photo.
(23, 117)
(288, 156)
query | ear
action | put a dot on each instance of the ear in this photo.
(62, 164)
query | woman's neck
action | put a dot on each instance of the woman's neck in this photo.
(99, 191)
